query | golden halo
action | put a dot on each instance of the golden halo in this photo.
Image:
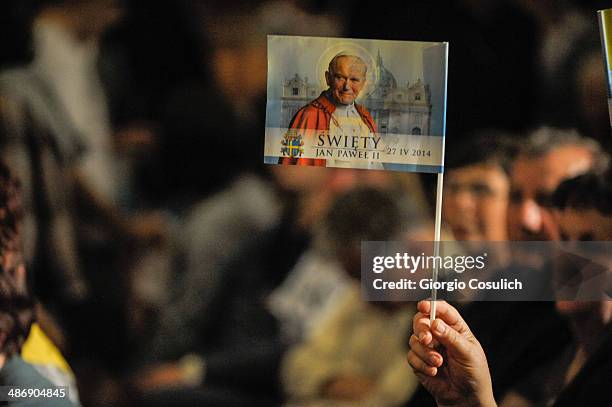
(352, 49)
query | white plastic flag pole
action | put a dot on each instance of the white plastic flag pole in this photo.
(438, 217)
(438, 221)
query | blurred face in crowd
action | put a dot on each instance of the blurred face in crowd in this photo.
(318, 187)
(585, 225)
(299, 179)
(346, 77)
(13, 264)
(229, 63)
(476, 202)
(532, 183)
(90, 18)
(98, 15)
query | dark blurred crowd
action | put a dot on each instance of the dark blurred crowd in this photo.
(150, 258)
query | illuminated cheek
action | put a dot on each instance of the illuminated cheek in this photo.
(513, 217)
(497, 213)
(497, 207)
(448, 210)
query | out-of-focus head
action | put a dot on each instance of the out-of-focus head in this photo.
(89, 18)
(583, 207)
(11, 212)
(16, 315)
(477, 186)
(11, 215)
(299, 179)
(346, 77)
(583, 212)
(548, 157)
(317, 188)
(364, 213)
(15, 305)
(238, 55)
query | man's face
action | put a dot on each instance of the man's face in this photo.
(346, 79)
(476, 202)
(533, 181)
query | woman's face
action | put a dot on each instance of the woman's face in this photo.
(13, 264)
